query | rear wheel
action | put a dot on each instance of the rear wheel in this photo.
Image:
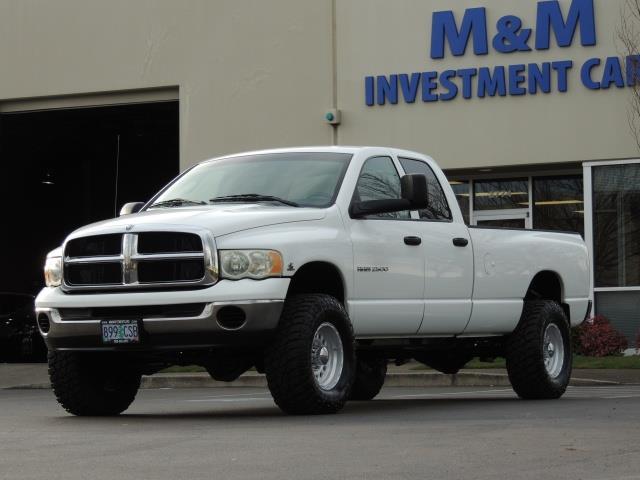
(92, 384)
(539, 359)
(310, 364)
(370, 375)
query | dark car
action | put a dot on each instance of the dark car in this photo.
(19, 336)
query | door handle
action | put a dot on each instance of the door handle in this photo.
(413, 241)
(460, 242)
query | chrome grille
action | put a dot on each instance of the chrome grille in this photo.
(140, 260)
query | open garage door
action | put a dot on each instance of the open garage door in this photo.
(64, 168)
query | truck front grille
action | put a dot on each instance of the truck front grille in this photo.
(139, 260)
(168, 242)
(170, 271)
(95, 246)
(93, 273)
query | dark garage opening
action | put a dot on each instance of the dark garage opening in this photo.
(65, 168)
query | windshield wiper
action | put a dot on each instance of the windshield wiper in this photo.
(253, 197)
(176, 202)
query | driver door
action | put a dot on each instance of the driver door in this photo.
(389, 264)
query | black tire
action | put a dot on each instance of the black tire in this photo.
(288, 364)
(89, 384)
(370, 375)
(525, 355)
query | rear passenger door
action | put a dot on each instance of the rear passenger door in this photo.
(448, 260)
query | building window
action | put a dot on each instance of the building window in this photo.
(622, 309)
(616, 225)
(462, 191)
(558, 203)
(501, 194)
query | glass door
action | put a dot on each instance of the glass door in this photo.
(502, 203)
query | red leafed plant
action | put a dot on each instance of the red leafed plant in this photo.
(598, 338)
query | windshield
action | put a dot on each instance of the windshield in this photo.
(301, 179)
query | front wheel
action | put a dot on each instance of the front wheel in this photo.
(90, 384)
(311, 363)
(539, 359)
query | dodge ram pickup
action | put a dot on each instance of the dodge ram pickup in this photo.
(315, 266)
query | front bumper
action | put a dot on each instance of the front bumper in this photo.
(261, 302)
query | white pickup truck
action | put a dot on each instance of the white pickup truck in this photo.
(316, 266)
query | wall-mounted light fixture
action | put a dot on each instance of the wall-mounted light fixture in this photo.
(48, 179)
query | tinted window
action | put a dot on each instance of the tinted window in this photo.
(438, 208)
(379, 180)
(616, 225)
(461, 190)
(500, 194)
(558, 203)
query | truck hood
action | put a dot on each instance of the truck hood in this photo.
(218, 219)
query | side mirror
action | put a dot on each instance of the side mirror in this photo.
(131, 207)
(414, 197)
(415, 189)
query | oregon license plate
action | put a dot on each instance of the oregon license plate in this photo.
(120, 331)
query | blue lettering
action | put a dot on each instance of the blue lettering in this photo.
(511, 36)
(539, 78)
(633, 70)
(585, 74)
(369, 91)
(491, 85)
(387, 89)
(467, 75)
(612, 73)
(445, 82)
(562, 68)
(428, 86)
(550, 18)
(409, 87)
(516, 79)
(444, 28)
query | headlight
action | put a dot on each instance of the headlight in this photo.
(53, 271)
(256, 264)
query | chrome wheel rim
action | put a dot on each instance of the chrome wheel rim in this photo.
(553, 350)
(327, 356)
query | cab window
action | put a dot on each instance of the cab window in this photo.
(438, 209)
(379, 180)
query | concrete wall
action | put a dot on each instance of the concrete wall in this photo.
(251, 74)
(256, 74)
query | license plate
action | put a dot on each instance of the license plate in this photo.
(120, 331)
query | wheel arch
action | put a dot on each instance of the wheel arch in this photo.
(318, 277)
(547, 285)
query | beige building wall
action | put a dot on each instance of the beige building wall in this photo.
(379, 37)
(250, 74)
(258, 74)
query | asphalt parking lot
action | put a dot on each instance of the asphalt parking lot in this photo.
(238, 433)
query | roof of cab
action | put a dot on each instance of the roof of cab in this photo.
(321, 148)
